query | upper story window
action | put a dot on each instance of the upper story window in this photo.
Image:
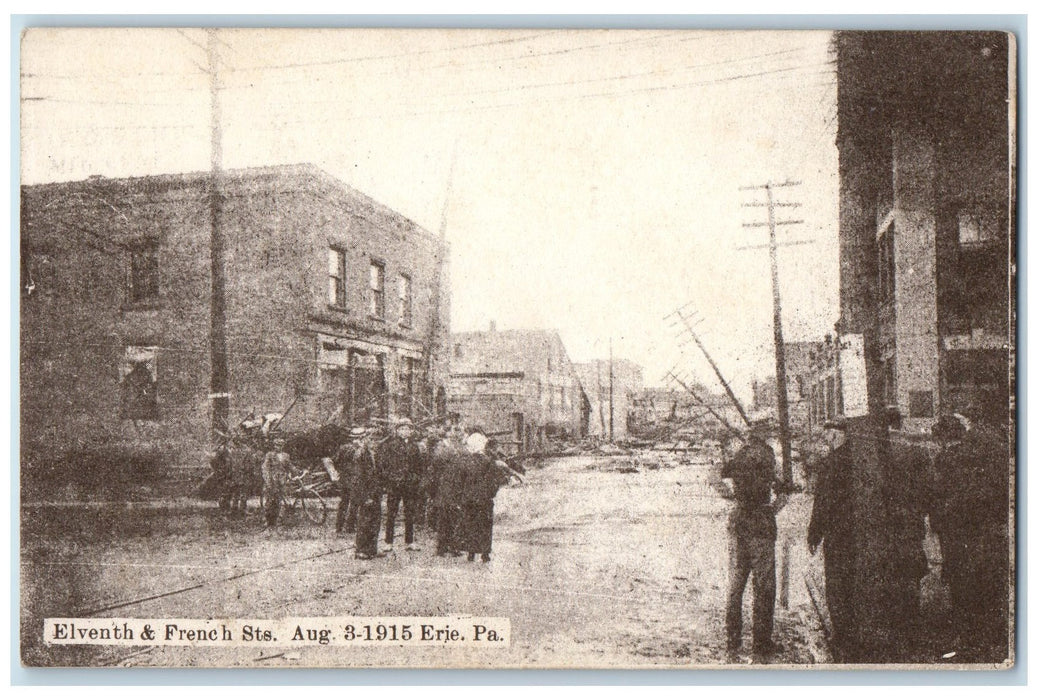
(404, 298)
(377, 282)
(977, 227)
(144, 271)
(336, 277)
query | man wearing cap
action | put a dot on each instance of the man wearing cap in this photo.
(751, 541)
(346, 459)
(400, 460)
(832, 525)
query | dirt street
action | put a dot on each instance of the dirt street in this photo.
(598, 562)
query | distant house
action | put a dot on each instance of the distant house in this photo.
(335, 305)
(518, 384)
(611, 394)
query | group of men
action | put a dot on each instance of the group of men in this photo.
(963, 487)
(447, 480)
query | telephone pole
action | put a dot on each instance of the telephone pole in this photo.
(610, 389)
(219, 389)
(780, 347)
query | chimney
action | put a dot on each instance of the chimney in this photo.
(493, 326)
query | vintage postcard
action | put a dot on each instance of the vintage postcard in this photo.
(526, 348)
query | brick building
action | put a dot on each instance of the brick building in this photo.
(335, 305)
(926, 226)
(927, 229)
(627, 382)
(519, 384)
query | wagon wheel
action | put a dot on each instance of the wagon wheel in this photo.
(313, 506)
(289, 508)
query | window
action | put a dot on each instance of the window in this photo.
(886, 264)
(144, 271)
(378, 289)
(976, 227)
(138, 377)
(404, 297)
(336, 277)
(457, 351)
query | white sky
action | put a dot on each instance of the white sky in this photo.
(597, 176)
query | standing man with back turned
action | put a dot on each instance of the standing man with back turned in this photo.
(751, 541)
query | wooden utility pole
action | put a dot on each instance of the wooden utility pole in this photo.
(610, 389)
(219, 380)
(780, 347)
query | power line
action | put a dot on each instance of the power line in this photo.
(628, 76)
(281, 123)
(489, 62)
(405, 54)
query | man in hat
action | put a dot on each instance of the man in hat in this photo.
(975, 477)
(448, 475)
(400, 460)
(346, 459)
(908, 495)
(366, 492)
(832, 525)
(751, 543)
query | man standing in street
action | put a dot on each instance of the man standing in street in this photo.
(449, 477)
(367, 491)
(751, 542)
(975, 481)
(345, 459)
(401, 462)
(832, 526)
(907, 493)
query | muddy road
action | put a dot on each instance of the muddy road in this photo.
(597, 561)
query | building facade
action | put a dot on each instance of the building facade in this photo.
(518, 385)
(336, 308)
(926, 215)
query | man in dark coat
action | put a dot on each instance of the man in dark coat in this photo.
(751, 541)
(345, 460)
(907, 492)
(974, 478)
(400, 461)
(832, 525)
(367, 491)
(448, 473)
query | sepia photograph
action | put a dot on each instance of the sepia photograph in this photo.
(525, 348)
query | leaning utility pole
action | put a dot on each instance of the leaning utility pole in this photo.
(219, 383)
(780, 347)
(685, 385)
(690, 329)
